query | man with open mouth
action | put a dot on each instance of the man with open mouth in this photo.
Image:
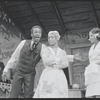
(23, 61)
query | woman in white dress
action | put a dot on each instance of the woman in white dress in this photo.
(92, 71)
(53, 82)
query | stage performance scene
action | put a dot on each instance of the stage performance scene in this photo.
(49, 49)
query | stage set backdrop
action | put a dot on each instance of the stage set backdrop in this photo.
(9, 40)
(9, 37)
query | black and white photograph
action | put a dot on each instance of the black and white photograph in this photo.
(49, 49)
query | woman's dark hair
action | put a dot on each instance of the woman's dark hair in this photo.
(96, 31)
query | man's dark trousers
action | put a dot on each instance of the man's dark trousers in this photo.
(28, 80)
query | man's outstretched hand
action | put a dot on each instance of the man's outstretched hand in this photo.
(6, 76)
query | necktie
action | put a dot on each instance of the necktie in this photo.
(34, 46)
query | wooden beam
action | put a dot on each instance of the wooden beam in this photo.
(94, 13)
(2, 3)
(36, 16)
(54, 5)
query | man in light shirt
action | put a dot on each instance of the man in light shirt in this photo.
(23, 61)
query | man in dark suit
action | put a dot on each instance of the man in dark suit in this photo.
(23, 61)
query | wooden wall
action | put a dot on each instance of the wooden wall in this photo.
(77, 17)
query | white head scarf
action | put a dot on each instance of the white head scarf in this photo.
(55, 33)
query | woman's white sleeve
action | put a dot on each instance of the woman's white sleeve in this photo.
(70, 58)
(46, 56)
